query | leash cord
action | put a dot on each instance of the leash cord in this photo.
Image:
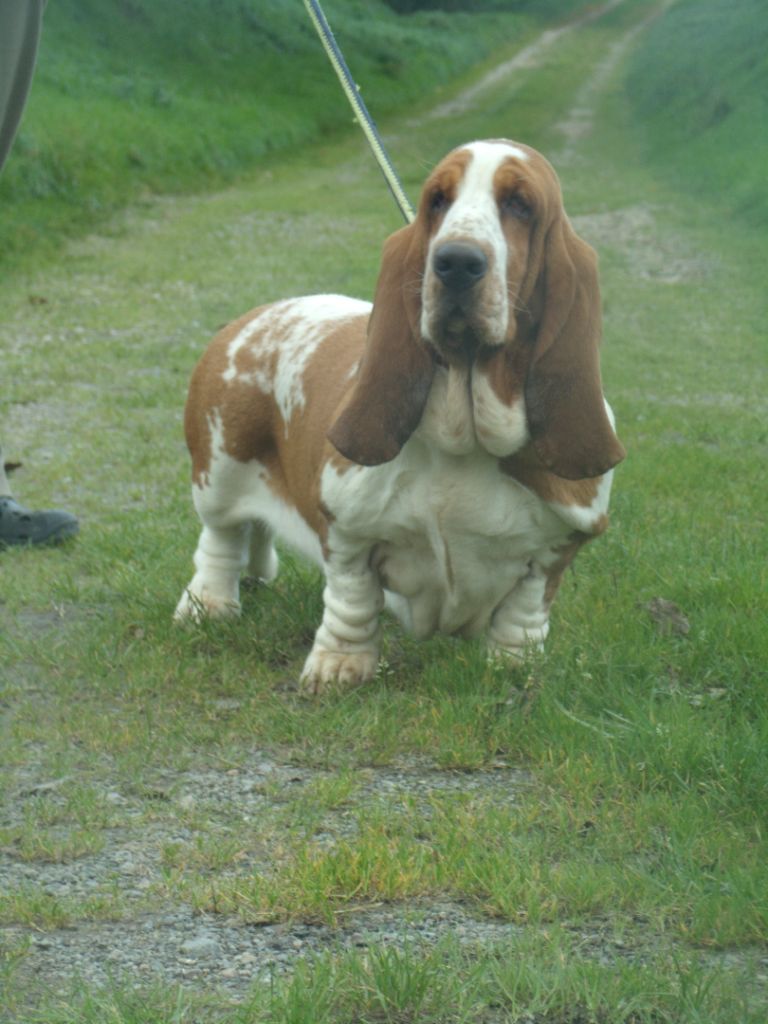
(352, 92)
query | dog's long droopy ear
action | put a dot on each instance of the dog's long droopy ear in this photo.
(567, 418)
(396, 371)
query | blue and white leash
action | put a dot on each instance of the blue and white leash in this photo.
(365, 120)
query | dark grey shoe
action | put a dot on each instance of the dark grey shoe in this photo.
(20, 526)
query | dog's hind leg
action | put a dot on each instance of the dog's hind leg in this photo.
(221, 555)
(263, 562)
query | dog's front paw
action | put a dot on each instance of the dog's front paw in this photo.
(512, 654)
(333, 671)
(499, 656)
(511, 643)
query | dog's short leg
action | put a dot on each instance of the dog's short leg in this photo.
(220, 557)
(521, 621)
(263, 562)
(346, 647)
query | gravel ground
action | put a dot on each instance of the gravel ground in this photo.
(179, 947)
(173, 943)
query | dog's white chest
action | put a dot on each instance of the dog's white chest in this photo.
(451, 536)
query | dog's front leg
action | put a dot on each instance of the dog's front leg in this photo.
(521, 622)
(346, 647)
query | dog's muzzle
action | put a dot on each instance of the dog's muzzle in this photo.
(459, 269)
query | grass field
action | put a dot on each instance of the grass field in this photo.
(700, 81)
(137, 97)
(600, 813)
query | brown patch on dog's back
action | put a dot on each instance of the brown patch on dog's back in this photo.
(246, 412)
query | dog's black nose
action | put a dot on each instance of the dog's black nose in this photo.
(459, 265)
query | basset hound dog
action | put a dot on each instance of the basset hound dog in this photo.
(443, 452)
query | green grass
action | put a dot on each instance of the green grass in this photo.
(547, 979)
(143, 98)
(700, 83)
(41, 910)
(552, 858)
(611, 795)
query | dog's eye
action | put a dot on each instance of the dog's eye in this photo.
(515, 206)
(439, 201)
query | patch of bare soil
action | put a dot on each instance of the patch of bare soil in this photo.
(634, 234)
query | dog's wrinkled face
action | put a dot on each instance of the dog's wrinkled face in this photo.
(480, 202)
(490, 277)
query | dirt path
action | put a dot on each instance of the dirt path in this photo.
(577, 124)
(528, 59)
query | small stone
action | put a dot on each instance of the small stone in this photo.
(227, 704)
(200, 945)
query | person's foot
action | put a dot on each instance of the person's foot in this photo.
(18, 525)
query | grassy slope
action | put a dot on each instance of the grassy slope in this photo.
(699, 83)
(172, 96)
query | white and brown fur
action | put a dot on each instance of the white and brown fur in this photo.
(445, 451)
